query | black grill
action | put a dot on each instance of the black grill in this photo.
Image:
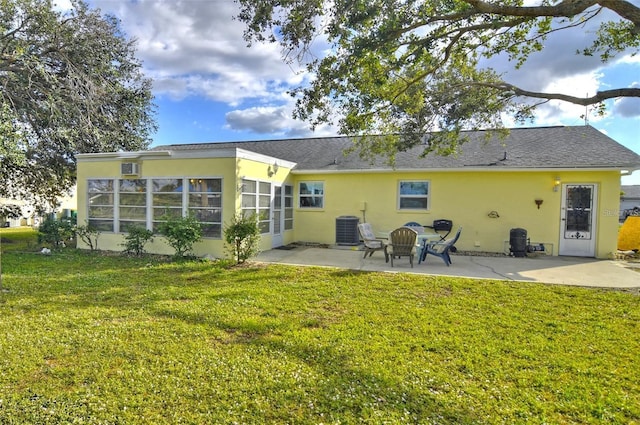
(518, 242)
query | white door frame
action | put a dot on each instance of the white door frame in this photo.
(578, 219)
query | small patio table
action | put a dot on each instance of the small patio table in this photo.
(422, 240)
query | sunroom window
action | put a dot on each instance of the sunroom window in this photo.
(133, 204)
(256, 200)
(205, 203)
(101, 200)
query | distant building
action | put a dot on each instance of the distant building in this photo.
(629, 201)
(67, 206)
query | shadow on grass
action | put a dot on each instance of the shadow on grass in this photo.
(345, 389)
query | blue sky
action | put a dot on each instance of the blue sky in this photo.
(210, 86)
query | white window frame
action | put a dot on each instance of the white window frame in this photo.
(199, 210)
(287, 196)
(314, 196)
(261, 205)
(101, 194)
(409, 196)
(150, 220)
(123, 218)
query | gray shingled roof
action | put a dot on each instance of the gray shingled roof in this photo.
(536, 147)
(631, 192)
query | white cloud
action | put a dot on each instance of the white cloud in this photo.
(628, 107)
(558, 68)
(629, 58)
(196, 48)
(62, 5)
(275, 120)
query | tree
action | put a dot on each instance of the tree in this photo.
(181, 233)
(242, 236)
(70, 84)
(407, 67)
(137, 237)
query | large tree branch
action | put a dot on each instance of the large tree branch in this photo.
(583, 101)
(566, 8)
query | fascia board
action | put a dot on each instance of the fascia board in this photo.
(104, 156)
(188, 154)
(458, 170)
(266, 159)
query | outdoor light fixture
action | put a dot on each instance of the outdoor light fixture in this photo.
(272, 170)
(556, 183)
(538, 202)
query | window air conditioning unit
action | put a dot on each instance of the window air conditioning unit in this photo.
(129, 169)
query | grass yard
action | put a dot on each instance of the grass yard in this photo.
(96, 339)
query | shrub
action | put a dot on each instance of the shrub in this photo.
(56, 233)
(242, 236)
(181, 233)
(136, 239)
(89, 235)
(629, 234)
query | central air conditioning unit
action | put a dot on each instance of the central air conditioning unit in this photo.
(347, 230)
(129, 168)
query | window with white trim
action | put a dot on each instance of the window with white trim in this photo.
(205, 204)
(288, 207)
(166, 200)
(256, 200)
(413, 195)
(101, 201)
(132, 203)
(148, 202)
(311, 194)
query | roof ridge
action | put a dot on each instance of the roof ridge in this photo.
(342, 136)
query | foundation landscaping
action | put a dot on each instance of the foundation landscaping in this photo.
(95, 338)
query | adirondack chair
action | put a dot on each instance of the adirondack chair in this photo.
(371, 243)
(440, 249)
(402, 243)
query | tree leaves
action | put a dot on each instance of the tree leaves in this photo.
(70, 84)
(406, 67)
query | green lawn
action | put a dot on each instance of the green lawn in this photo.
(96, 339)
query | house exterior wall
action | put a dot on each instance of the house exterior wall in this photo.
(260, 171)
(466, 198)
(230, 169)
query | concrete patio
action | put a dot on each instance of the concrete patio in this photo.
(557, 270)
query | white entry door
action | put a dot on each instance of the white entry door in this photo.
(578, 220)
(277, 216)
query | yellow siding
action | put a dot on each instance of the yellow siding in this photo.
(231, 170)
(467, 198)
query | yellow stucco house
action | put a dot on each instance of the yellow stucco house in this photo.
(560, 184)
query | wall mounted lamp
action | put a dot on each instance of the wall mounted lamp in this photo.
(538, 202)
(271, 170)
(556, 183)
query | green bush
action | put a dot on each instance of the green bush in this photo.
(89, 235)
(136, 239)
(242, 236)
(56, 233)
(181, 233)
